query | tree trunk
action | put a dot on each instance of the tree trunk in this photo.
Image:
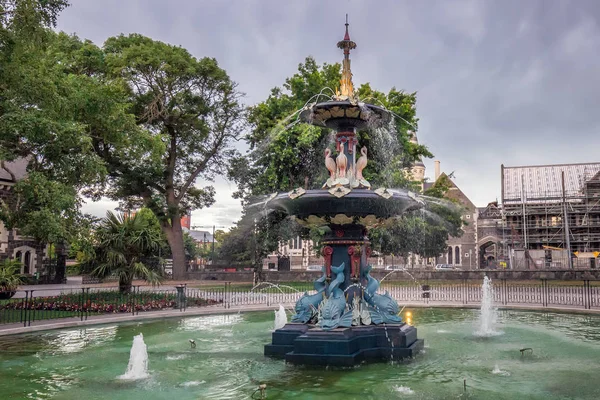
(61, 263)
(174, 235)
(124, 285)
(259, 275)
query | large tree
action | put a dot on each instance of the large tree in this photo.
(191, 111)
(138, 120)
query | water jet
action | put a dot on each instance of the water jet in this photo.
(137, 368)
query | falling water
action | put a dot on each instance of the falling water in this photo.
(487, 316)
(280, 318)
(138, 360)
(498, 371)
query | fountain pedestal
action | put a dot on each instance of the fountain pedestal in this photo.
(348, 245)
(344, 347)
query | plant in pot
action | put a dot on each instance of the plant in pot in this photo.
(10, 278)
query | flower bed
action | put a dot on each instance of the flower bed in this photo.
(105, 302)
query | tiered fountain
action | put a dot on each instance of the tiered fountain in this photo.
(346, 322)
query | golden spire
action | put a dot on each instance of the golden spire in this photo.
(346, 90)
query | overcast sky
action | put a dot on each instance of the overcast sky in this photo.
(512, 81)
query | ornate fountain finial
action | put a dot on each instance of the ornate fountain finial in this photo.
(346, 90)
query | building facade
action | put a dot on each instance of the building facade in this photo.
(298, 253)
(491, 238)
(462, 251)
(29, 252)
(552, 215)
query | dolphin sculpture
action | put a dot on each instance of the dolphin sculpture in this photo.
(339, 278)
(383, 308)
(333, 312)
(306, 307)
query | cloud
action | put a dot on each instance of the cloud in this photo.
(508, 82)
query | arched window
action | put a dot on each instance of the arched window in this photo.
(295, 243)
(457, 255)
(449, 255)
(26, 262)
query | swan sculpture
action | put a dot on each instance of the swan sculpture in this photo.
(330, 163)
(361, 164)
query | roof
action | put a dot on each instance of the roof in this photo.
(427, 185)
(18, 168)
(200, 236)
(454, 193)
(543, 182)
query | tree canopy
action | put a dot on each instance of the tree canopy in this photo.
(41, 121)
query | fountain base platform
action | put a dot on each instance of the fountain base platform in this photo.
(345, 347)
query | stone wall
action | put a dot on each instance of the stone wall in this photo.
(419, 275)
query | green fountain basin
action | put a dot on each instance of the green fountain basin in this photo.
(228, 362)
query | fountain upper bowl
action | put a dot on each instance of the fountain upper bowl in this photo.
(342, 115)
(361, 206)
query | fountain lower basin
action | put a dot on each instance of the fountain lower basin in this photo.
(344, 347)
(85, 362)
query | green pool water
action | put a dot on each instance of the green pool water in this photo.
(85, 363)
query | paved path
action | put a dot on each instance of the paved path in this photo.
(74, 284)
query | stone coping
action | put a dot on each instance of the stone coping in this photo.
(46, 325)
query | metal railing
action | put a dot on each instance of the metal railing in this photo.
(545, 294)
(29, 306)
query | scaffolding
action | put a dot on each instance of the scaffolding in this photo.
(552, 210)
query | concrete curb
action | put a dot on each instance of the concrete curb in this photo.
(15, 329)
(47, 325)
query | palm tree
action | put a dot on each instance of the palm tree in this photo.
(127, 246)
